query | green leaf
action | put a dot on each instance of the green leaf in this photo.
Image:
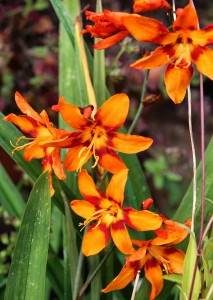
(27, 273)
(10, 197)
(188, 270)
(174, 278)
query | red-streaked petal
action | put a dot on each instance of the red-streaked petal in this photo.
(121, 237)
(139, 253)
(26, 108)
(145, 29)
(88, 188)
(33, 151)
(175, 258)
(177, 81)
(203, 36)
(72, 160)
(187, 19)
(116, 187)
(82, 208)
(128, 143)
(154, 274)
(141, 220)
(156, 59)
(72, 115)
(57, 164)
(203, 57)
(127, 274)
(95, 239)
(110, 115)
(25, 123)
(111, 40)
(109, 160)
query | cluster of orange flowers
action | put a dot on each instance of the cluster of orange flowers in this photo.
(97, 137)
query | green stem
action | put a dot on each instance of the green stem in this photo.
(92, 275)
(114, 62)
(140, 108)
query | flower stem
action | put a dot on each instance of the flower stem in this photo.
(92, 275)
(140, 108)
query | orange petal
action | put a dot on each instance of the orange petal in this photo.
(154, 274)
(33, 151)
(26, 124)
(26, 108)
(111, 40)
(177, 81)
(127, 274)
(175, 258)
(148, 5)
(128, 143)
(88, 188)
(109, 160)
(156, 59)
(108, 116)
(145, 29)
(72, 160)
(82, 208)
(121, 237)
(72, 115)
(140, 253)
(57, 164)
(141, 220)
(116, 187)
(203, 57)
(203, 36)
(187, 19)
(95, 239)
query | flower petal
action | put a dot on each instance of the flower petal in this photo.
(128, 143)
(26, 108)
(57, 164)
(33, 151)
(203, 57)
(141, 220)
(175, 258)
(116, 187)
(177, 81)
(88, 188)
(95, 239)
(121, 237)
(145, 29)
(156, 59)
(110, 115)
(148, 5)
(139, 253)
(154, 274)
(127, 274)
(82, 208)
(72, 115)
(203, 36)
(72, 160)
(111, 40)
(109, 160)
(187, 19)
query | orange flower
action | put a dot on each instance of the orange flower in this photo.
(97, 137)
(42, 132)
(179, 48)
(108, 214)
(147, 5)
(108, 26)
(154, 255)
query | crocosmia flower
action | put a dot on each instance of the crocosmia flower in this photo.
(148, 5)
(180, 48)
(156, 255)
(108, 26)
(98, 137)
(42, 132)
(108, 216)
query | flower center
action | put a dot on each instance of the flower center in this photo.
(85, 151)
(182, 54)
(157, 252)
(106, 214)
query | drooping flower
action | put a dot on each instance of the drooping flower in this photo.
(98, 137)
(180, 48)
(155, 256)
(108, 215)
(108, 26)
(42, 132)
(148, 5)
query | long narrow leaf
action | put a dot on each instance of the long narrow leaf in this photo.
(27, 273)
